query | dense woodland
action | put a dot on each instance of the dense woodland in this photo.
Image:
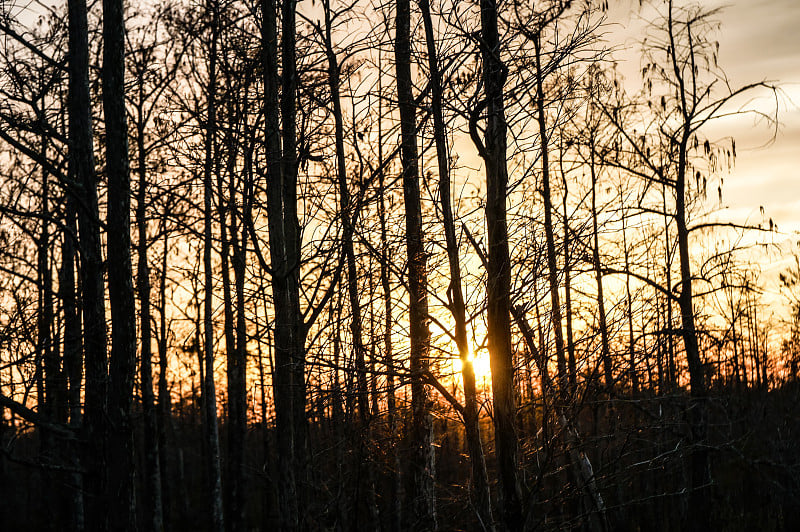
(364, 265)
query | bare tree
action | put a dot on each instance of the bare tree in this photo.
(694, 92)
(122, 362)
(209, 386)
(480, 480)
(420, 492)
(492, 149)
(94, 322)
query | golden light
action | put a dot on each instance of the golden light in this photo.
(480, 364)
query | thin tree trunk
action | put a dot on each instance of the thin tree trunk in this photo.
(237, 393)
(391, 404)
(629, 301)
(347, 214)
(166, 455)
(743, 327)
(659, 343)
(734, 339)
(572, 368)
(480, 481)
(699, 498)
(153, 511)
(499, 272)
(552, 265)
(73, 359)
(209, 387)
(237, 371)
(544, 371)
(605, 351)
(421, 511)
(269, 464)
(51, 389)
(81, 160)
(697, 414)
(668, 325)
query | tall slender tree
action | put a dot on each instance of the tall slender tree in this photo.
(480, 482)
(493, 150)
(81, 161)
(421, 508)
(280, 140)
(210, 164)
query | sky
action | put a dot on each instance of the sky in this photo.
(759, 41)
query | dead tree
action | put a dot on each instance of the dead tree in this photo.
(421, 509)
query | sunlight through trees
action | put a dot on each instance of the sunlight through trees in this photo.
(400, 265)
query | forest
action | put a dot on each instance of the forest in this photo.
(386, 265)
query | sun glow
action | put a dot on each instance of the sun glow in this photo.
(480, 364)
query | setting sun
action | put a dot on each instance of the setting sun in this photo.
(481, 366)
(244, 244)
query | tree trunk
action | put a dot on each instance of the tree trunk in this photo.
(51, 384)
(237, 374)
(480, 481)
(291, 227)
(166, 454)
(236, 362)
(209, 387)
(152, 475)
(282, 374)
(552, 264)
(73, 359)
(605, 351)
(671, 369)
(122, 363)
(284, 242)
(81, 160)
(629, 302)
(391, 403)
(699, 498)
(572, 367)
(348, 215)
(499, 272)
(421, 510)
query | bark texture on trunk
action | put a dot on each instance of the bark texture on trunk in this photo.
(499, 272)
(421, 507)
(81, 162)
(209, 386)
(284, 244)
